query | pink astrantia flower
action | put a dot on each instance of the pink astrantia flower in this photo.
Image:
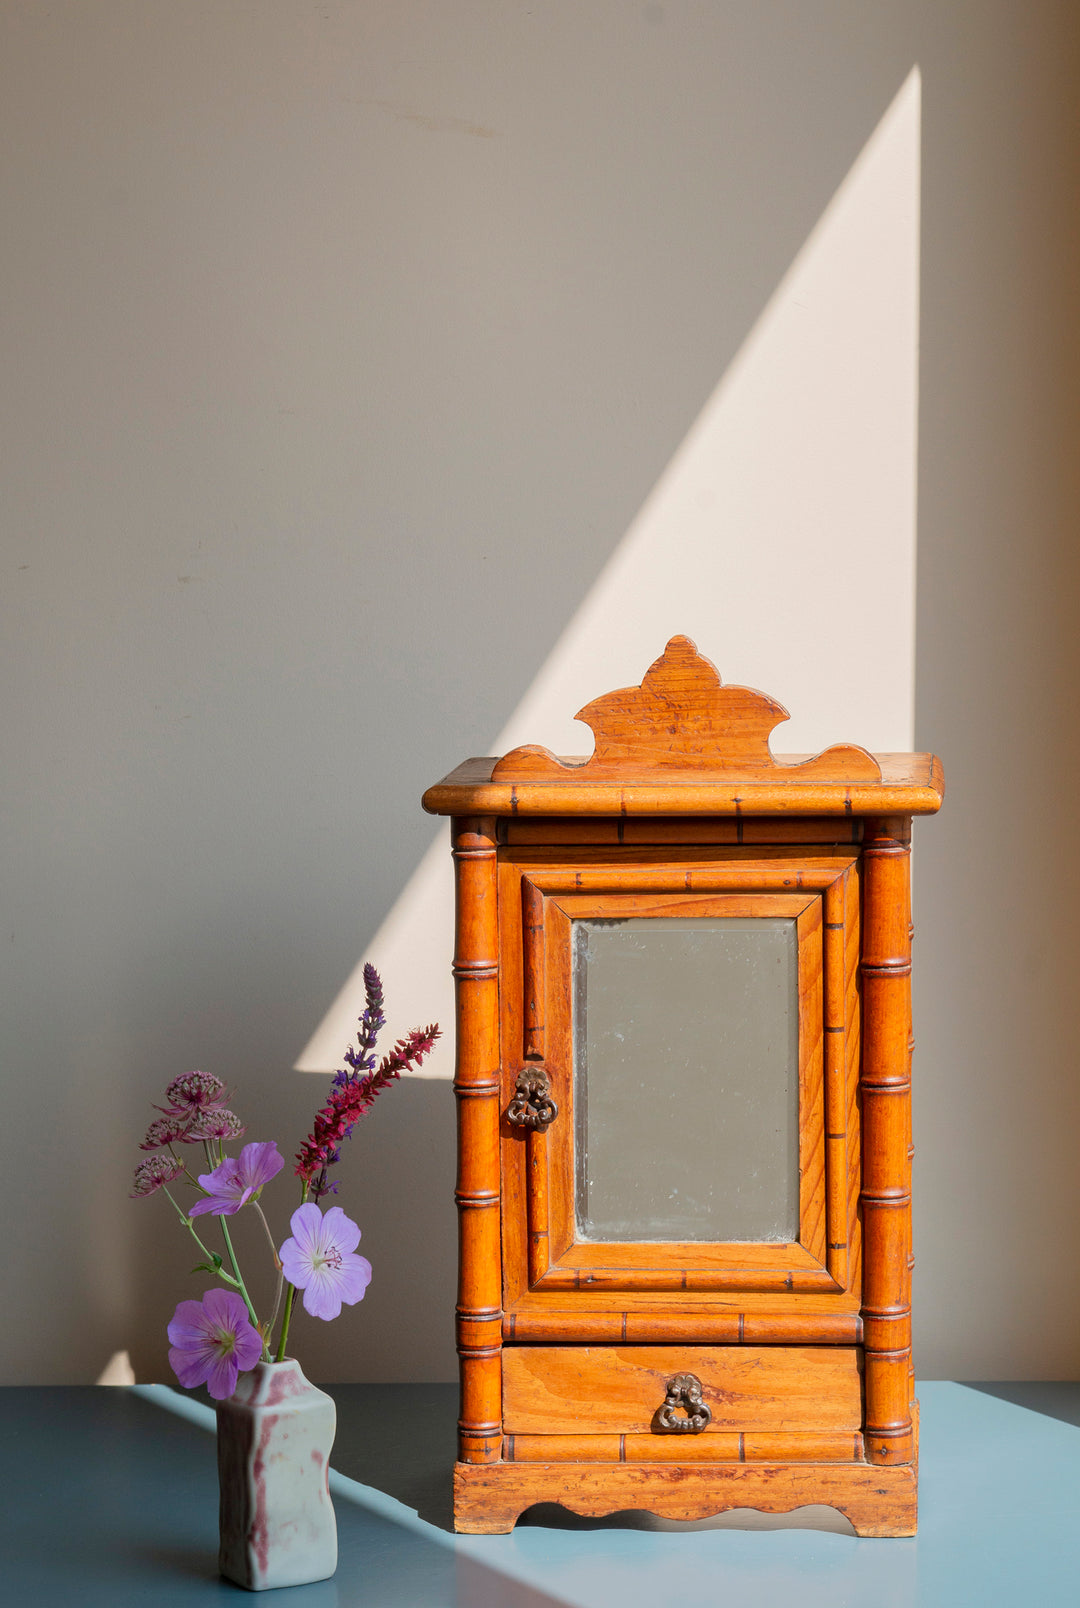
(238, 1179)
(194, 1091)
(167, 1130)
(196, 1111)
(214, 1122)
(319, 1260)
(212, 1341)
(155, 1171)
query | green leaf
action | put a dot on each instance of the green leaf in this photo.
(214, 1266)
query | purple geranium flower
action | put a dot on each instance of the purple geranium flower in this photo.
(212, 1340)
(319, 1260)
(238, 1179)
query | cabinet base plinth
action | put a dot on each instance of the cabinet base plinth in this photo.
(489, 1497)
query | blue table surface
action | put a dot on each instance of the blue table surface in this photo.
(109, 1497)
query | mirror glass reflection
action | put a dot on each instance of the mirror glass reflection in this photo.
(686, 1078)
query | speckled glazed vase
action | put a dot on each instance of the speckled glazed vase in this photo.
(274, 1436)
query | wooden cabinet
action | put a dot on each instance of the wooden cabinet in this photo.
(683, 1080)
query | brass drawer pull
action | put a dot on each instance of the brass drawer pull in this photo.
(684, 1391)
(532, 1105)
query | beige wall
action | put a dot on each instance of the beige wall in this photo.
(343, 344)
(998, 658)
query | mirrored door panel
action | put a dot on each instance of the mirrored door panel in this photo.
(693, 1030)
(685, 1079)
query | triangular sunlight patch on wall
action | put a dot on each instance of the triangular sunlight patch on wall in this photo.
(781, 537)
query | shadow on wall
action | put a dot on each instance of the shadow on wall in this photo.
(781, 536)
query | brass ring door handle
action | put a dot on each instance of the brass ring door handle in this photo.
(683, 1394)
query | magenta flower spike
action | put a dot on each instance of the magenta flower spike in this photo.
(319, 1260)
(355, 1092)
(212, 1341)
(238, 1179)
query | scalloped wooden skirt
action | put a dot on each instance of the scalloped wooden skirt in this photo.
(489, 1497)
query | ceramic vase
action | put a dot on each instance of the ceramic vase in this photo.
(274, 1435)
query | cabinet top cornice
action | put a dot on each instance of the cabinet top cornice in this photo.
(683, 743)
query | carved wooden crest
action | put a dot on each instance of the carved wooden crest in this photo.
(682, 719)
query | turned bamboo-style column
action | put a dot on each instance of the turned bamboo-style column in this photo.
(886, 1138)
(911, 1158)
(476, 1085)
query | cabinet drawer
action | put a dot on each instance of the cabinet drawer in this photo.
(567, 1390)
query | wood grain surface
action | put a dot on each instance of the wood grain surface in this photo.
(725, 1446)
(565, 1390)
(683, 721)
(911, 784)
(878, 1501)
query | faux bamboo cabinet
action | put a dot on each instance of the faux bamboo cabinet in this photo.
(684, 1126)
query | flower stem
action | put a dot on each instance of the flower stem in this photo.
(277, 1264)
(240, 1283)
(289, 1299)
(285, 1323)
(189, 1225)
(269, 1236)
(188, 1174)
(277, 1304)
